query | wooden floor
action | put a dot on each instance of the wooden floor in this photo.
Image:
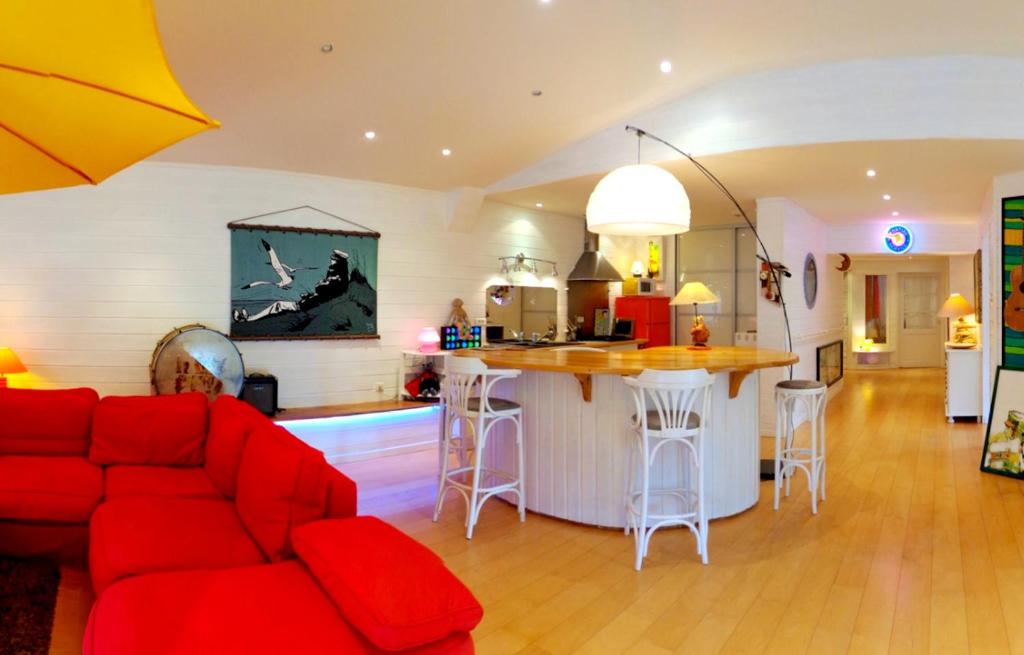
(914, 551)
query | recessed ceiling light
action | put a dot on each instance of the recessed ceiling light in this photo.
(895, 213)
(327, 48)
(540, 205)
(545, 2)
(446, 152)
(370, 136)
(886, 197)
(871, 172)
(666, 66)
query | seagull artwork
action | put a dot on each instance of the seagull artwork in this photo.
(284, 271)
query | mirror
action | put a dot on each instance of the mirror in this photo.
(810, 281)
(522, 310)
(874, 308)
(501, 295)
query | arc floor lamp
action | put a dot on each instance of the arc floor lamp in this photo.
(646, 200)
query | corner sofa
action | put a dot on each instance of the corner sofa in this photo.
(209, 529)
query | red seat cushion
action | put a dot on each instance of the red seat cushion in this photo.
(58, 489)
(144, 534)
(262, 610)
(394, 590)
(231, 421)
(191, 482)
(282, 483)
(158, 430)
(45, 422)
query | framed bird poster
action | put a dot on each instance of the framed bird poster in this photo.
(303, 283)
(1013, 282)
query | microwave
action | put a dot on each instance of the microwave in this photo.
(638, 286)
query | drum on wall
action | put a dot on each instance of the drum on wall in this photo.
(196, 358)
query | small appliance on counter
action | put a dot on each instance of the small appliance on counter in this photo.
(452, 340)
(260, 391)
(638, 286)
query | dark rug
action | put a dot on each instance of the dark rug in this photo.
(28, 596)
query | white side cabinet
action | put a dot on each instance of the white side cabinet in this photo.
(963, 382)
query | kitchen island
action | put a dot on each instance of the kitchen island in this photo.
(576, 426)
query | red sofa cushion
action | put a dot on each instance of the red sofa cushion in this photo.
(45, 422)
(159, 430)
(231, 421)
(175, 481)
(341, 494)
(282, 483)
(394, 590)
(261, 610)
(144, 534)
(58, 489)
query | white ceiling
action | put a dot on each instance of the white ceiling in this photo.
(428, 74)
(936, 180)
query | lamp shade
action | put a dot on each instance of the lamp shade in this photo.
(955, 307)
(429, 340)
(639, 200)
(9, 362)
(694, 293)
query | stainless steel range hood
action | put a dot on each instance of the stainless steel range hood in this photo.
(592, 266)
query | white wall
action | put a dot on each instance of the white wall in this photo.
(961, 280)
(790, 233)
(930, 237)
(93, 277)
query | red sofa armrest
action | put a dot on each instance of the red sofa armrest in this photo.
(341, 495)
(389, 587)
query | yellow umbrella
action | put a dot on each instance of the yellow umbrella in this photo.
(85, 91)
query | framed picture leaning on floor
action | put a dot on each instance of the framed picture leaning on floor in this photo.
(1005, 433)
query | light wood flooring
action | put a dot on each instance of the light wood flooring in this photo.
(915, 551)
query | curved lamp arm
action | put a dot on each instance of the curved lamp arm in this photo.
(721, 187)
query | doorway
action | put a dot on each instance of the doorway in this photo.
(921, 331)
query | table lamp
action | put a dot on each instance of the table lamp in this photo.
(429, 340)
(9, 363)
(696, 293)
(956, 306)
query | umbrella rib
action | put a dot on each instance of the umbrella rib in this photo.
(48, 154)
(99, 87)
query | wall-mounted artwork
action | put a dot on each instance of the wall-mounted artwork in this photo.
(1005, 433)
(303, 283)
(1013, 282)
(978, 300)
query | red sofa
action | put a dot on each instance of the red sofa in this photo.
(210, 529)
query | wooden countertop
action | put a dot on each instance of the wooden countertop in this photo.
(739, 362)
(491, 347)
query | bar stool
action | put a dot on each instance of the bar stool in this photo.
(671, 408)
(813, 396)
(476, 415)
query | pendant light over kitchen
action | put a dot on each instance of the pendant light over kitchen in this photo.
(639, 200)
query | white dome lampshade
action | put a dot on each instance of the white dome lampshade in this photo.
(639, 200)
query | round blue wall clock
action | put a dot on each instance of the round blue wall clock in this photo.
(898, 239)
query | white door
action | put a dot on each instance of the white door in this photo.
(921, 332)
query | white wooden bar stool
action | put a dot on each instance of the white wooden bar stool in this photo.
(813, 396)
(671, 408)
(466, 393)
